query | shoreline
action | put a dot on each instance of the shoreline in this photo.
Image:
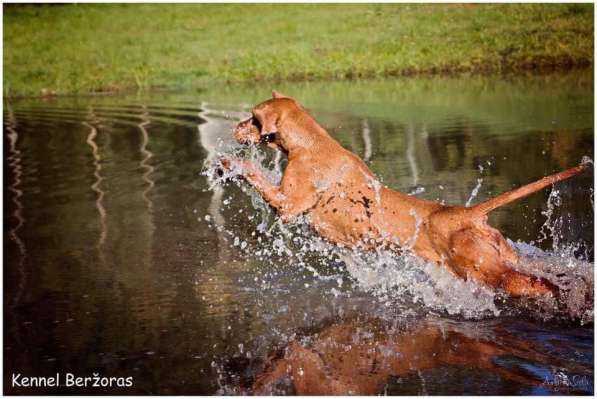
(544, 71)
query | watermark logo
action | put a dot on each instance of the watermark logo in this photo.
(563, 380)
(70, 380)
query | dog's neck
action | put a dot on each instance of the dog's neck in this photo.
(300, 133)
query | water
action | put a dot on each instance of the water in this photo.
(122, 258)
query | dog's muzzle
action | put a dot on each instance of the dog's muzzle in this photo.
(246, 133)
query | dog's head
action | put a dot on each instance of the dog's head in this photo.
(262, 126)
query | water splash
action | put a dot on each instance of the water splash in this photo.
(553, 225)
(395, 280)
(418, 222)
(402, 280)
(407, 278)
(474, 193)
(573, 277)
(553, 229)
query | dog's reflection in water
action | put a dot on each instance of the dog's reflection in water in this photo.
(363, 357)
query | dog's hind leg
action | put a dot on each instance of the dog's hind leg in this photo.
(484, 255)
(478, 250)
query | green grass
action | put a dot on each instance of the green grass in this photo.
(87, 48)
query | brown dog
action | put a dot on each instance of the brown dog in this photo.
(347, 204)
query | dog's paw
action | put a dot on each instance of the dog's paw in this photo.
(223, 169)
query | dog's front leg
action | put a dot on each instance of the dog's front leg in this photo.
(298, 192)
(292, 198)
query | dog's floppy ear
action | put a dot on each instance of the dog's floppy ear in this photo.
(267, 119)
(277, 94)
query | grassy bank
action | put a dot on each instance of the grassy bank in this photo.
(94, 48)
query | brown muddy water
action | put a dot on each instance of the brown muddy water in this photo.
(122, 260)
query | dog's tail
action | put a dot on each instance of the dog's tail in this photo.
(493, 203)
